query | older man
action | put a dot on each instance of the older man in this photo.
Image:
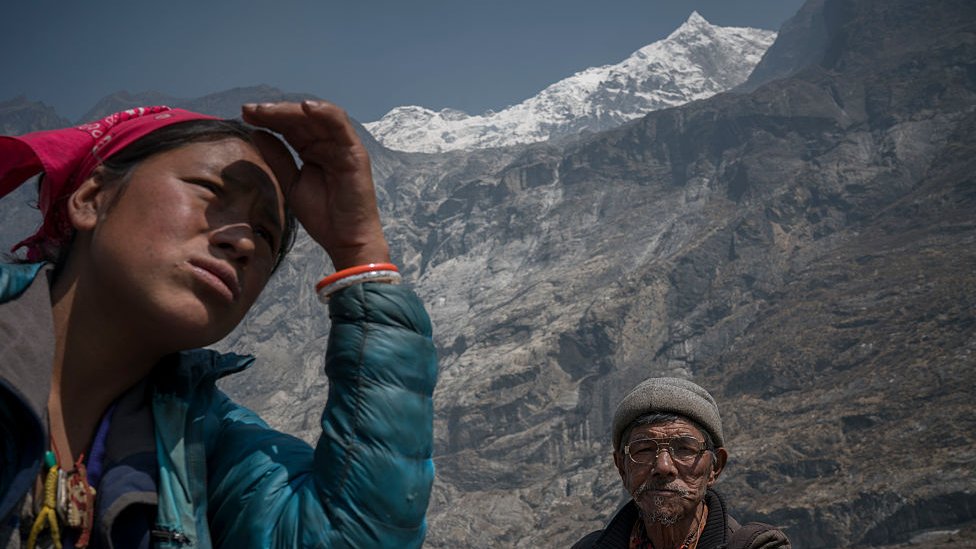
(668, 446)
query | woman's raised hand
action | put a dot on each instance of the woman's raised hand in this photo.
(333, 194)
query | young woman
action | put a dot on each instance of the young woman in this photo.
(161, 227)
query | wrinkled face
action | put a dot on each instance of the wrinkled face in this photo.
(666, 490)
(190, 241)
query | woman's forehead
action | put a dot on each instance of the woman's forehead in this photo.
(237, 163)
(230, 157)
(220, 152)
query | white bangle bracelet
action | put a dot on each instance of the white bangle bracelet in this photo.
(389, 277)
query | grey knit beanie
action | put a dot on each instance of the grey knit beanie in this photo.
(673, 395)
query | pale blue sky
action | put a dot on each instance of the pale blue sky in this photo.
(368, 56)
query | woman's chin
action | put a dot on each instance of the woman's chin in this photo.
(194, 325)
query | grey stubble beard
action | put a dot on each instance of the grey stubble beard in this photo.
(661, 517)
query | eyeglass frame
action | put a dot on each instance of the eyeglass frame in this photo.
(702, 448)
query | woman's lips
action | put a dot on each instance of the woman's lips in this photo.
(219, 276)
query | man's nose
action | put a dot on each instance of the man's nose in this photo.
(663, 463)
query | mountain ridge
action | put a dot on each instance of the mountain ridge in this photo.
(695, 61)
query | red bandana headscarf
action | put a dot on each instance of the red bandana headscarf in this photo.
(68, 157)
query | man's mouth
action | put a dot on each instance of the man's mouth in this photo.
(659, 491)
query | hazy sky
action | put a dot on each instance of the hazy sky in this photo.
(368, 56)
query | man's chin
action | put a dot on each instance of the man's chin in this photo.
(665, 509)
(660, 516)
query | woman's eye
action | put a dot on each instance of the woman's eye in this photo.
(266, 235)
(208, 185)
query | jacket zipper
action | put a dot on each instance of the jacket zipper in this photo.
(169, 536)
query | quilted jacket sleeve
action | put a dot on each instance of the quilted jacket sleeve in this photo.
(368, 480)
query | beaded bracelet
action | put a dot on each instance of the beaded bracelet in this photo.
(373, 272)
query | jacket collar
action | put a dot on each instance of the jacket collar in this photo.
(184, 372)
(715, 534)
(26, 341)
(27, 345)
(27, 329)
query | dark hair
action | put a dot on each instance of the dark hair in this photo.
(120, 166)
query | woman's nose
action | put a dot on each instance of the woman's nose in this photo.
(236, 240)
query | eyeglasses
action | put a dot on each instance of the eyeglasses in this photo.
(684, 449)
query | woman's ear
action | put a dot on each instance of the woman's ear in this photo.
(87, 202)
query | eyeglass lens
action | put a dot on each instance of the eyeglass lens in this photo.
(683, 449)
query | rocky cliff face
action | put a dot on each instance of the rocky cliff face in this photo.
(20, 115)
(804, 250)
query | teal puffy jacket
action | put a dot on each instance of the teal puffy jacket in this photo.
(227, 480)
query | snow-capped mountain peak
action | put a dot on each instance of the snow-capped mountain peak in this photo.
(694, 21)
(695, 61)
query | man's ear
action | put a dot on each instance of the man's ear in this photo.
(720, 456)
(618, 460)
(88, 201)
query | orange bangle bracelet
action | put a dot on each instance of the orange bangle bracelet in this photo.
(358, 269)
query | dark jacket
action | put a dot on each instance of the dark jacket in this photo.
(719, 533)
(198, 470)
